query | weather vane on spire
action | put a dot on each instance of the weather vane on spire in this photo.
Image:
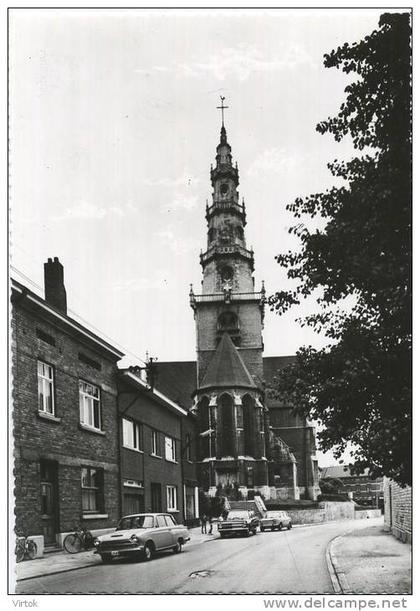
(222, 108)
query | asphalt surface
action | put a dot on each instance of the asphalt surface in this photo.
(287, 562)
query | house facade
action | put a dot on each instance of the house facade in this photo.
(91, 442)
(157, 451)
(64, 402)
(359, 487)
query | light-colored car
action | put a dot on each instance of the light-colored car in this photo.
(275, 520)
(142, 535)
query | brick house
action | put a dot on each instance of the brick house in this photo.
(91, 442)
(157, 451)
(398, 510)
(361, 488)
(64, 416)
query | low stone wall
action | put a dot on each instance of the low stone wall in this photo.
(327, 511)
(362, 514)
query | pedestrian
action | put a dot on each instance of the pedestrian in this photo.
(211, 525)
(203, 521)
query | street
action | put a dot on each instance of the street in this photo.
(287, 562)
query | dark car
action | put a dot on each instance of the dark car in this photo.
(275, 520)
(238, 521)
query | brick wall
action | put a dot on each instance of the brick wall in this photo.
(143, 466)
(398, 510)
(61, 441)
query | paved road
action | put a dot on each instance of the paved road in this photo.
(289, 562)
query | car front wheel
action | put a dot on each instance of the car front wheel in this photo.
(106, 558)
(148, 552)
(289, 526)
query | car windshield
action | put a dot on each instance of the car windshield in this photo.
(131, 522)
(242, 515)
(273, 514)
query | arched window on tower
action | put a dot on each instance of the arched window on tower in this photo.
(227, 446)
(240, 429)
(249, 425)
(228, 322)
(204, 420)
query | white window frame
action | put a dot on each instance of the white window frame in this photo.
(45, 380)
(155, 442)
(88, 402)
(172, 498)
(92, 492)
(131, 434)
(170, 449)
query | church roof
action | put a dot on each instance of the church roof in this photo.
(226, 368)
(178, 379)
(340, 472)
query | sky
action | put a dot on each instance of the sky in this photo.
(113, 127)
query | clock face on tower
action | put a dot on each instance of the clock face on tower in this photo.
(224, 188)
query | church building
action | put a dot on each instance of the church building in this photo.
(247, 443)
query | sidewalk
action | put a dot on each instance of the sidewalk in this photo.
(370, 561)
(61, 562)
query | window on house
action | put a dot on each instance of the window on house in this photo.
(45, 388)
(171, 498)
(155, 443)
(90, 405)
(188, 442)
(132, 434)
(92, 489)
(170, 449)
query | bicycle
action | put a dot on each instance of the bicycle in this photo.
(25, 548)
(82, 538)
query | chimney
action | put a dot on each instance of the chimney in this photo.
(55, 292)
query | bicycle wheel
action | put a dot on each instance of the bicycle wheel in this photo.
(73, 543)
(20, 551)
(31, 549)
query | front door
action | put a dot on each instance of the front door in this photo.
(49, 500)
(156, 495)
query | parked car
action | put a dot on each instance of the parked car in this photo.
(141, 536)
(275, 519)
(238, 521)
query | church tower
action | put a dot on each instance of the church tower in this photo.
(229, 315)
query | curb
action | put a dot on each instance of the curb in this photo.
(337, 575)
(73, 568)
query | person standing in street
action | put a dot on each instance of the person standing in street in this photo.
(203, 521)
(211, 525)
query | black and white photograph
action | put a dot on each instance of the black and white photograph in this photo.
(210, 304)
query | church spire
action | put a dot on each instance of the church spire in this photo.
(222, 107)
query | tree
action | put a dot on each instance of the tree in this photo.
(359, 386)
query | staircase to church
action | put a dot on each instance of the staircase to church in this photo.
(256, 505)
